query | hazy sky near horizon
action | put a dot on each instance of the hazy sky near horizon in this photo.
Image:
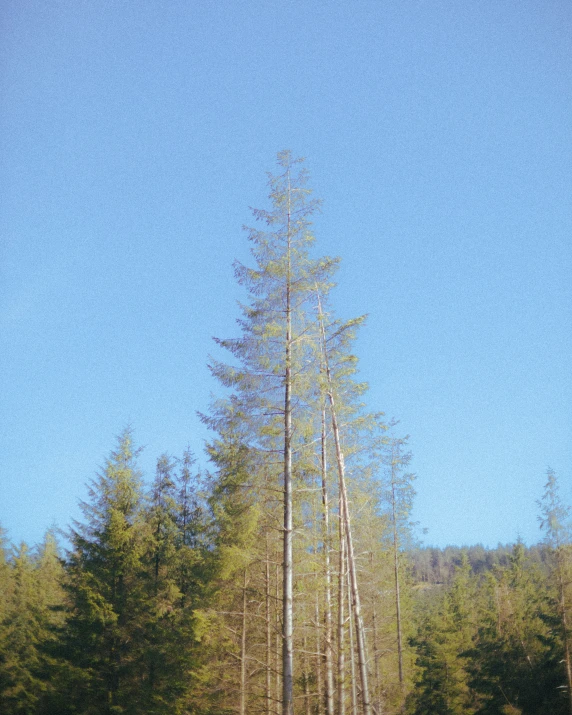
(135, 136)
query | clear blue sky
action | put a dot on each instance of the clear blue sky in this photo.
(135, 135)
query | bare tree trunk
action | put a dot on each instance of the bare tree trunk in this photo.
(268, 695)
(278, 638)
(356, 608)
(243, 650)
(353, 664)
(341, 615)
(307, 702)
(328, 605)
(396, 569)
(287, 594)
(398, 611)
(355, 599)
(376, 656)
(319, 692)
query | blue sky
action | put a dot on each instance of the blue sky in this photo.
(135, 136)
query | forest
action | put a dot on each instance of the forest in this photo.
(285, 576)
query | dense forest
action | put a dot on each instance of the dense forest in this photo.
(286, 575)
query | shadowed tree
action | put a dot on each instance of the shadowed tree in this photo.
(107, 596)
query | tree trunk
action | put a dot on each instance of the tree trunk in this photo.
(341, 615)
(376, 656)
(268, 695)
(243, 650)
(396, 571)
(353, 664)
(307, 702)
(328, 605)
(278, 638)
(355, 599)
(319, 693)
(287, 594)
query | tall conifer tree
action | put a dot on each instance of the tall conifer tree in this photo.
(275, 361)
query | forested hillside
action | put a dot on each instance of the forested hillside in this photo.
(284, 576)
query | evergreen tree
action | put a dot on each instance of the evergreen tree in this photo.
(443, 642)
(276, 360)
(296, 451)
(33, 611)
(555, 521)
(168, 644)
(21, 640)
(6, 600)
(234, 512)
(104, 634)
(512, 663)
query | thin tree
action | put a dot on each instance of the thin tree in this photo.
(341, 610)
(399, 495)
(327, 546)
(268, 631)
(554, 520)
(243, 657)
(345, 516)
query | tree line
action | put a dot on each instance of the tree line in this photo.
(285, 578)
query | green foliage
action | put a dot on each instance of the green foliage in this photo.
(135, 578)
(513, 661)
(31, 613)
(444, 637)
(103, 637)
(174, 600)
(491, 641)
(555, 520)
(150, 602)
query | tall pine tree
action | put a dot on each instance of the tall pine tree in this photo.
(276, 362)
